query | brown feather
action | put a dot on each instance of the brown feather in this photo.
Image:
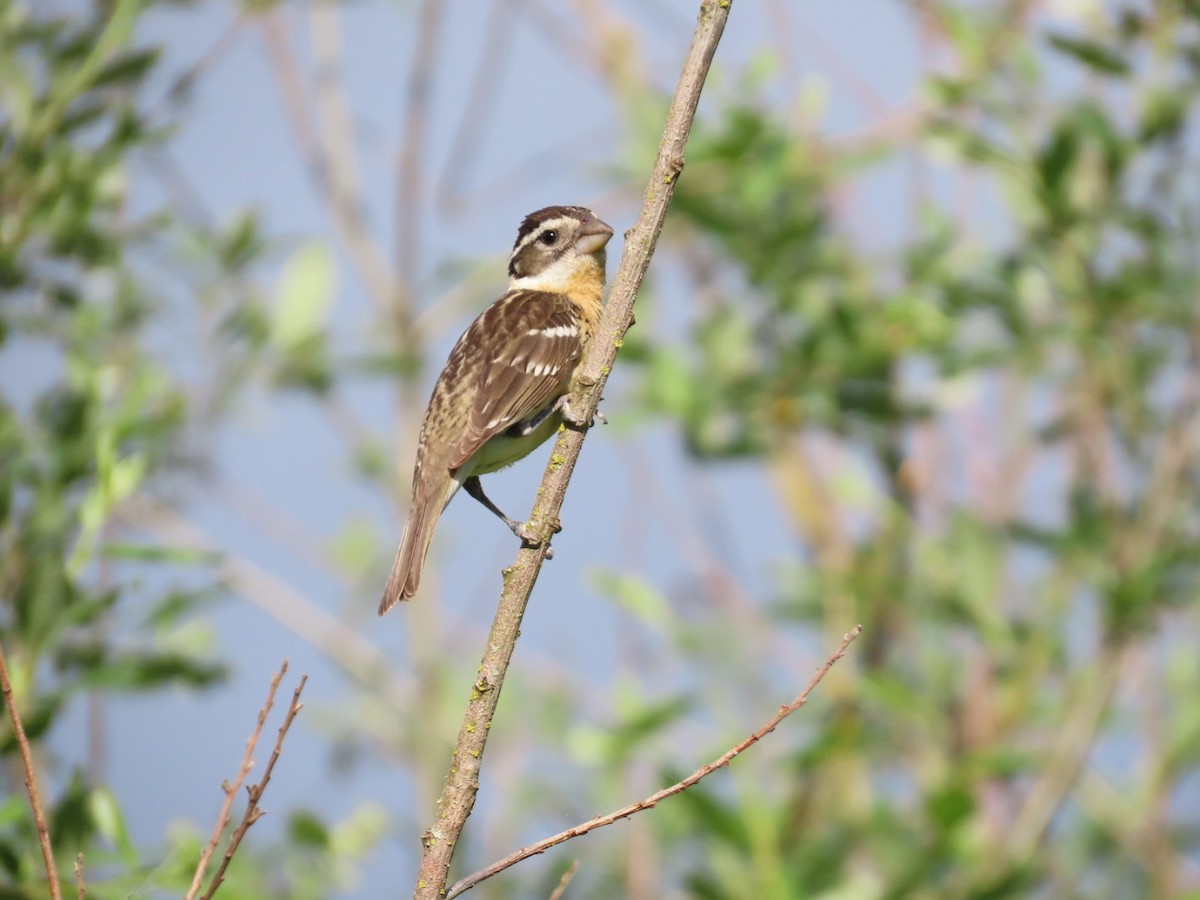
(405, 576)
(526, 372)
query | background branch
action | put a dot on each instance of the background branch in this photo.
(330, 158)
(255, 791)
(465, 884)
(231, 790)
(462, 782)
(560, 889)
(31, 784)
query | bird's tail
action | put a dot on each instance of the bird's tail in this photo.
(410, 557)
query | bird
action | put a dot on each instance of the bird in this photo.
(504, 388)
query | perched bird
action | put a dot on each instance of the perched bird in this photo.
(503, 391)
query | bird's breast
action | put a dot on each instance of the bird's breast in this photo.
(514, 443)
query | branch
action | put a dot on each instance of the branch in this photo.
(80, 885)
(31, 784)
(560, 889)
(231, 790)
(410, 175)
(472, 124)
(462, 782)
(327, 157)
(255, 792)
(1074, 741)
(625, 812)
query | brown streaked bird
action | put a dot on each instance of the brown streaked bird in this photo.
(503, 391)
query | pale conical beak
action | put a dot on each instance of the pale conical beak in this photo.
(592, 235)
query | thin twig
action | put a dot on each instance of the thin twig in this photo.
(470, 133)
(255, 791)
(80, 887)
(560, 889)
(462, 782)
(327, 166)
(180, 86)
(403, 303)
(231, 790)
(1074, 742)
(31, 783)
(625, 812)
(410, 165)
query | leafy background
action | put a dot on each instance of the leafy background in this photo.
(919, 350)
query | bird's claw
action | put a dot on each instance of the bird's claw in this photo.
(533, 540)
(578, 421)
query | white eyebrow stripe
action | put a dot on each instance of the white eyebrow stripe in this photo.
(559, 223)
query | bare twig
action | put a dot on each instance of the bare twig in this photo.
(462, 782)
(560, 889)
(31, 783)
(408, 204)
(1073, 744)
(80, 887)
(473, 122)
(231, 790)
(255, 791)
(328, 166)
(410, 164)
(625, 812)
(185, 81)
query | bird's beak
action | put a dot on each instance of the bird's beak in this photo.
(592, 235)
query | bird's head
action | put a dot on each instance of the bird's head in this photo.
(556, 246)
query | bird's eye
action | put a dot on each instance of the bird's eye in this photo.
(549, 238)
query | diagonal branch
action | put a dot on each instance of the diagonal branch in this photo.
(462, 782)
(231, 790)
(329, 159)
(255, 792)
(465, 884)
(31, 784)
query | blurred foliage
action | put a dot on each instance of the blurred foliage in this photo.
(114, 424)
(1014, 385)
(980, 431)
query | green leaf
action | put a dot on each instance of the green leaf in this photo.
(109, 821)
(950, 805)
(637, 597)
(710, 815)
(645, 722)
(307, 830)
(179, 556)
(1163, 114)
(304, 296)
(126, 67)
(138, 669)
(1096, 56)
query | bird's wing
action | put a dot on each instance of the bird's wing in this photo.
(531, 344)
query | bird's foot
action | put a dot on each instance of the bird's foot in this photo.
(576, 420)
(530, 537)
